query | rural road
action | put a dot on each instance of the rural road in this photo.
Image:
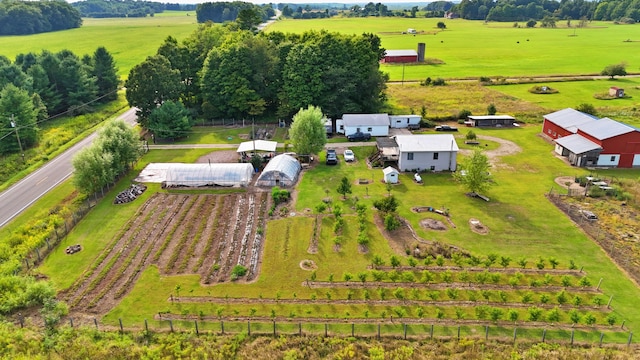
(21, 195)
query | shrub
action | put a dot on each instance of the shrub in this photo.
(470, 135)
(531, 23)
(463, 114)
(238, 271)
(438, 82)
(388, 204)
(280, 195)
(391, 222)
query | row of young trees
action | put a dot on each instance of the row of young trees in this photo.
(38, 85)
(222, 72)
(33, 17)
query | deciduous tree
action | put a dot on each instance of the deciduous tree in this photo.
(614, 70)
(307, 134)
(474, 174)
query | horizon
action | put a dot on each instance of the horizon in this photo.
(259, 2)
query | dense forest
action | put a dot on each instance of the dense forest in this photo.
(33, 17)
(125, 8)
(220, 12)
(221, 72)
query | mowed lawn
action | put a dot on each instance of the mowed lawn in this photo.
(474, 48)
(129, 40)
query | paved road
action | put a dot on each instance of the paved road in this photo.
(21, 195)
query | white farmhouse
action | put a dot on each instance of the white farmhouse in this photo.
(427, 152)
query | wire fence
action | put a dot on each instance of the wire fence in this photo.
(408, 330)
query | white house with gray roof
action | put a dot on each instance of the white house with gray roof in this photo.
(436, 152)
(374, 124)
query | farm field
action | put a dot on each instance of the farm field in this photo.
(496, 49)
(129, 40)
(298, 282)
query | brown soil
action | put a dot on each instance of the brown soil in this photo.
(478, 227)
(222, 156)
(168, 233)
(308, 265)
(432, 224)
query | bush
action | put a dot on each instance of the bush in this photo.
(280, 195)
(438, 82)
(387, 205)
(470, 135)
(463, 114)
(484, 79)
(586, 108)
(238, 271)
(531, 23)
(391, 222)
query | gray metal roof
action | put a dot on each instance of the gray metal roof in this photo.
(605, 128)
(569, 119)
(491, 117)
(365, 119)
(426, 143)
(400, 53)
(577, 144)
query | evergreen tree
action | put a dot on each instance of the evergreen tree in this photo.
(106, 74)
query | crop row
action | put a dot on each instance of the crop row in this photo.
(210, 204)
(257, 241)
(214, 229)
(167, 240)
(186, 230)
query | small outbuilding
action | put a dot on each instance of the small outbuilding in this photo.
(405, 121)
(282, 170)
(218, 174)
(491, 121)
(373, 124)
(615, 91)
(390, 175)
(400, 56)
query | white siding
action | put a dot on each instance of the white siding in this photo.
(559, 149)
(608, 160)
(371, 129)
(403, 121)
(340, 126)
(425, 160)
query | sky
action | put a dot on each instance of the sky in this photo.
(294, 1)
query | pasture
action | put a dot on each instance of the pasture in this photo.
(474, 48)
(129, 40)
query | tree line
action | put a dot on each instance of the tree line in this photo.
(220, 12)
(33, 17)
(36, 86)
(515, 10)
(223, 72)
(114, 9)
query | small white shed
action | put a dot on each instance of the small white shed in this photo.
(390, 175)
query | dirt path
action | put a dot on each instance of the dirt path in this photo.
(506, 148)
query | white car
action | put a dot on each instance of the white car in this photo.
(349, 156)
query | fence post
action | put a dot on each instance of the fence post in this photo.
(458, 332)
(573, 331)
(171, 325)
(431, 333)
(353, 329)
(599, 283)
(195, 322)
(544, 334)
(486, 332)
(378, 331)
(274, 328)
(146, 325)
(300, 328)
(222, 326)
(95, 322)
(249, 327)
(405, 331)
(622, 326)
(48, 244)
(601, 336)
(515, 334)
(325, 329)
(71, 321)
(630, 337)
(21, 320)
(121, 327)
(26, 261)
(38, 253)
(609, 303)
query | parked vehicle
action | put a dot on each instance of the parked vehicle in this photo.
(332, 157)
(589, 215)
(349, 156)
(446, 128)
(359, 136)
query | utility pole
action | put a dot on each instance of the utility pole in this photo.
(13, 125)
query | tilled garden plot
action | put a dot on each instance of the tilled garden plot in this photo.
(180, 234)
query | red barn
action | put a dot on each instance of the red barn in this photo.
(400, 56)
(589, 141)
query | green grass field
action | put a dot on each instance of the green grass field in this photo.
(129, 40)
(473, 48)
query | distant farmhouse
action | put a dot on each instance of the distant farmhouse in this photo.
(587, 140)
(375, 124)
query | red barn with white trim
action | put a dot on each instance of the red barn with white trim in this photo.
(400, 56)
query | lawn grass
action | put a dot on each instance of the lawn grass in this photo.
(225, 135)
(497, 49)
(129, 40)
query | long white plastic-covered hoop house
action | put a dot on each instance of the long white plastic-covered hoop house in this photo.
(194, 175)
(282, 170)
